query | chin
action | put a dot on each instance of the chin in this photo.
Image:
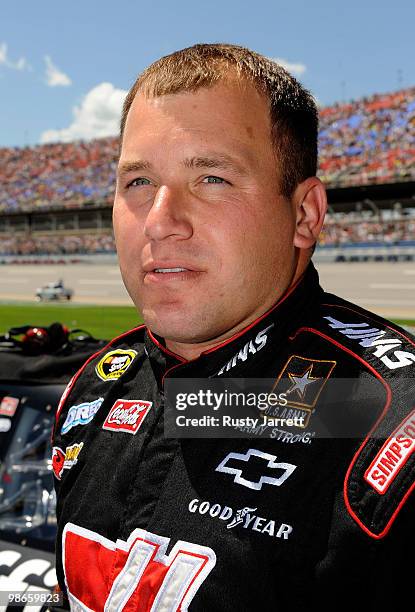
(177, 326)
(165, 321)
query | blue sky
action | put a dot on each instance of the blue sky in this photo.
(65, 66)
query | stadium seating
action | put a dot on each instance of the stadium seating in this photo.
(371, 140)
(57, 176)
(69, 244)
(371, 232)
(365, 142)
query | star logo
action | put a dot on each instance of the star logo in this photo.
(300, 383)
(302, 379)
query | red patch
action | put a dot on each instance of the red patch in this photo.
(58, 461)
(127, 415)
(133, 575)
(393, 455)
(8, 406)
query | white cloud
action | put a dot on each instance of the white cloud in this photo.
(54, 76)
(20, 64)
(97, 116)
(296, 69)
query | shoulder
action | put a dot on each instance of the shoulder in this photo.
(109, 363)
(381, 475)
(383, 345)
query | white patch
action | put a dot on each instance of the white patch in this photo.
(82, 414)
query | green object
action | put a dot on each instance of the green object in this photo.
(101, 321)
(405, 322)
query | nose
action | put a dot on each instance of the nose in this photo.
(167, 216)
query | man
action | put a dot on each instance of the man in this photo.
(216, 215)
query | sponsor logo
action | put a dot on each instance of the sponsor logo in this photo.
(142, 560)
(5, 425)
(372, 337)
(237, 463)
(244, 517)
(58, 460)
(239, 517)
(393, 455)
(127, 415)
(115, 363)
(301, 380)
(71, 455)
(250, 348)
(81, 414)
(65, 460)
(8, 406)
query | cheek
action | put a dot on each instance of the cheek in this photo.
(128, 230)
(121, 218)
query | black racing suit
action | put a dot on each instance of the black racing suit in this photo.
(285, 519)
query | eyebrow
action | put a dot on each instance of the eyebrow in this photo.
(220, 162)
(133, 166)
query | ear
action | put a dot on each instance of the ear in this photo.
(310, 202)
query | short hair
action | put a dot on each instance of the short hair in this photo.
(293, 111)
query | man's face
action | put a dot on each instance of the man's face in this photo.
(204, 238)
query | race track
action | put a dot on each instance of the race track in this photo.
(385, 288)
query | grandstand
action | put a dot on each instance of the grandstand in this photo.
(56, 199)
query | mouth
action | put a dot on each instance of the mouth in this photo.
(170, 270)
(170, 274)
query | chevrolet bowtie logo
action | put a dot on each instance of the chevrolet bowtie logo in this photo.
(269, 462)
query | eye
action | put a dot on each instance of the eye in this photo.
(138, 182)
(214, 180)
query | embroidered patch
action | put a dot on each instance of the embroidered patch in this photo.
(127, 415)
(65, 460)
(145, 576)
(115, 363)
(302, 380)
(270, 471)
(393, 455)
(58, 459)
(380, 342)
(81, 414)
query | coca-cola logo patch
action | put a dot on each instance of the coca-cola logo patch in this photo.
(127, 415)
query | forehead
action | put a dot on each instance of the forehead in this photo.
(226, 110)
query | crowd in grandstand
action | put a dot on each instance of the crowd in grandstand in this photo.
(367, 141)
(371, 140)
(57, 245)
(57, 175)
(335, 233)
(386, 232)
